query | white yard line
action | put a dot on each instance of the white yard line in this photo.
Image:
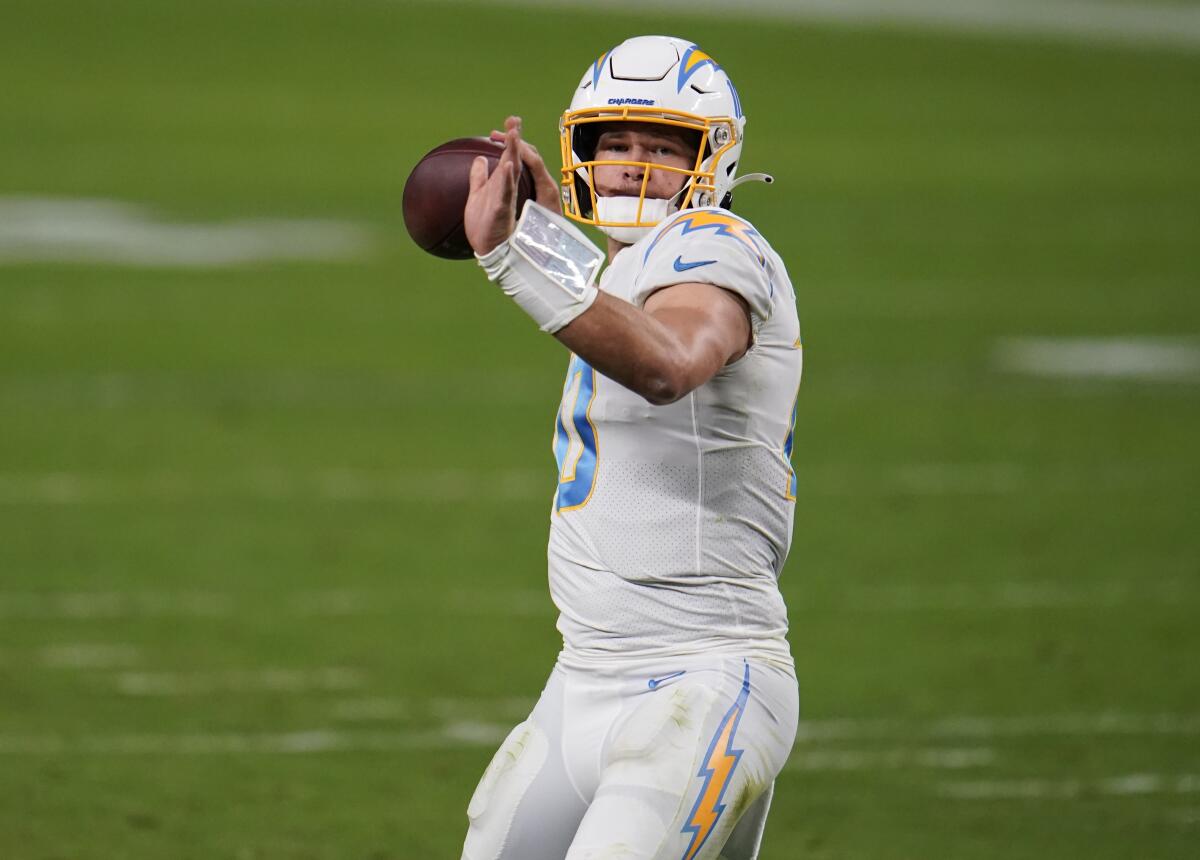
(52, 229)
(101, 605)
(534, 602)
(486, 726)
(322, 740)
(511, 709)
(1018, 595)
(955, 479)
(993, 727)
(1066, 789)
(891, 759)
(333, 485)
(1141, 358)
(509, 602)
(371, 709)
(455, 486)
(456, 734)
(83, 655)
(1188, 817)
(334, 678)
(1089, 21)
(85, 605)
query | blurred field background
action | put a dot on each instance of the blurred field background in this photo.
(274, 484)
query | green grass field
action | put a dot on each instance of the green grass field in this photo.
(272, 535)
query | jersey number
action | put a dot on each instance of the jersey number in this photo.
(575, 438)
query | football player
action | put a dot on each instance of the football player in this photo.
(673, 703)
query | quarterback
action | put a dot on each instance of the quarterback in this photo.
(673, 703)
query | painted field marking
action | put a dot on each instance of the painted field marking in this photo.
(447, 486)
(455, 734)
(1017, 595)
(455, 486)
(1188, 816)
(1141, 358)
(1066, 789)
(84, 655)
(891, 759)
(336, 603)
(489, 728)
(88, 605)
(990, 728)
(269, 680)
(323, 740)
(447, 710)
(505, 708)
(1091, 21)
(509, 602)
(371, 709)
(949, 479)
(1000, 595)
(952, 479)
(74, 389)
(52, 229)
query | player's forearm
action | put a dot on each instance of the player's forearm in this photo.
(637, 350)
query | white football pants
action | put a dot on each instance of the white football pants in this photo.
(674, 760)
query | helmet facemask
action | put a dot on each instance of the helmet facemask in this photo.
(628, 219)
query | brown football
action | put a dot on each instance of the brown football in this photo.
(436, 194)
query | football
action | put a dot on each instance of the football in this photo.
(435, 195)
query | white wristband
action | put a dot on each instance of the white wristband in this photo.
(547, 266)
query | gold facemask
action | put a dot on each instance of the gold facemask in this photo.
(717, 136)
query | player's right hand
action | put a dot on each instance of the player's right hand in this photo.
(546, 189)
(490, 215)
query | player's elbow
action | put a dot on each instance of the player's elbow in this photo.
(660, 392)
(664, 385)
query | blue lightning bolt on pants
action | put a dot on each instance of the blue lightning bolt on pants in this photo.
(670, 760)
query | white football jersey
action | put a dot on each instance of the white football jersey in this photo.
(671, 523)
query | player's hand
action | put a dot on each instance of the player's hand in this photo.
(490, 215)
(546, 188)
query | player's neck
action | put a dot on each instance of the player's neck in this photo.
(615, 247)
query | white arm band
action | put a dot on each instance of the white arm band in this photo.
(547, 266)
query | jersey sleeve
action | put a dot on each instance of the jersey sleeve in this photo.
(708, 247)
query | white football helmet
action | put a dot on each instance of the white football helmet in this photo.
(652, 79)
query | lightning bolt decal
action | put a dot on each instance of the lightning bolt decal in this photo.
(693, 61)
(724, 224)
(717, 772)
(598, 68)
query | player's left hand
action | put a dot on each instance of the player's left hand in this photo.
(490, 215)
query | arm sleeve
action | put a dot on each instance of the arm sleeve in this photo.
(738, 264)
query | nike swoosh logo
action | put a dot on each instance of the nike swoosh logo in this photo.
(655, 683)
(681, 266)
